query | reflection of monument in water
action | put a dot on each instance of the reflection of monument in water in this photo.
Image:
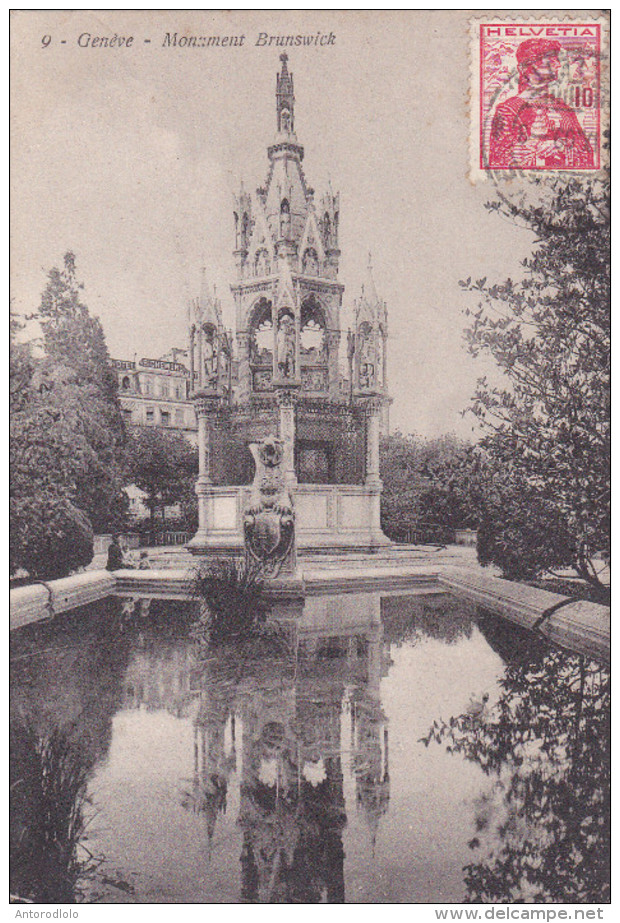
(290, 744)
(280, 375)
(290, 756)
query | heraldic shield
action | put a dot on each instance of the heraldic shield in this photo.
(269, 520)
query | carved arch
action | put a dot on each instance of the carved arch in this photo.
(313, 329)
(260, 329)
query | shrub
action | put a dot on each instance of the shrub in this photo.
(49, 536)
(233, 600)
(525, 536)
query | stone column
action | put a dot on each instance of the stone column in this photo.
(350, 360)
(373, 411)
(286, 404)
(230, 364)
(275, 374)
(204, 449)
(217, 345)
(205, 408)
(203, 483)
(192, 362)
(373, 479)
(201, 366)
(384, 381)
(333, 343)
(243, 345)
(297, 347)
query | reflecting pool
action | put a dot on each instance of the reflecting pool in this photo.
(379, 748)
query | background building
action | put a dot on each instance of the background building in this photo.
(155, 392)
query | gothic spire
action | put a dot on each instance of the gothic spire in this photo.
(370, 290)
(208, 307)
(285, 98)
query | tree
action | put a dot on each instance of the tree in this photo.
(78, 363)
(49, 535)
(547, 426)
(66, 432)
(164, 465)
(430, 486)
(458, 474)
(403, 482)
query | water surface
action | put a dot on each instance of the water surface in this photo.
(394, 748)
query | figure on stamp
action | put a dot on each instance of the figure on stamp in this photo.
(286, 347)
(535, 129)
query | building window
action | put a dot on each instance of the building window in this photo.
(179, 418)
(165, 389)
(127, 414)
(147, 386)
(126, 384)
(179, 392)
(165, 417)
(150, 416)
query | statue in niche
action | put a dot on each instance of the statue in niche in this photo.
(262, 264)
(285, 220)
(286, 120)
(367, 360)
(224, 363)
(209, 356)
(269, 519)
(310, 263)
(286, 347)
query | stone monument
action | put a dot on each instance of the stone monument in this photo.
(279, 375)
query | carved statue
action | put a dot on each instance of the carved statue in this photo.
(269, 519)
(286, 347)
(367, 361)
(209, 355)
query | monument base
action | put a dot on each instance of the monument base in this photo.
(330, 519)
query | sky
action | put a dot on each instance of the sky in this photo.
(130, 157)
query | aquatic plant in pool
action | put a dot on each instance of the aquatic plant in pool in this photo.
(48, 803)
(232, 600)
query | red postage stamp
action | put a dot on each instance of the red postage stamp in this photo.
(538, 95)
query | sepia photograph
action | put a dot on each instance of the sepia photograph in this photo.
(309, 545)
